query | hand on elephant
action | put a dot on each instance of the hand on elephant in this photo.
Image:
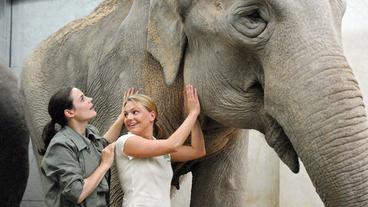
(127, 93)
(191, 100)
(114, 131)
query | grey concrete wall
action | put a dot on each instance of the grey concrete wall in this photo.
(34, 21)
(355, 41)
(263, 178)
(5, 22)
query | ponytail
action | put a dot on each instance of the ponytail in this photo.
(48, 133)
(60, 101)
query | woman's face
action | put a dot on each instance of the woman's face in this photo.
(83, 109)
(138, 119)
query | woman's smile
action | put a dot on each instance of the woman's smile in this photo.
(131, 124)
(138, 119)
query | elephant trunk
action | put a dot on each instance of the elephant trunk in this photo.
(324, 117)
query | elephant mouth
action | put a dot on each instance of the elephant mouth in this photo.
(251, 114)
(279, 141)
(273, 131)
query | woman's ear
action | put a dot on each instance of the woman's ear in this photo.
(69, 113)
(153, 116)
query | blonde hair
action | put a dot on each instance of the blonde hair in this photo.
(150, 105)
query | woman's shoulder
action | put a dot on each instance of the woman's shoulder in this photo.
(59, 142)
(93, 129)
(120, 142)
(124, 137)
(59, 137)
(62, 137)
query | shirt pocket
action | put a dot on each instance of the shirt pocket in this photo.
(88, 161)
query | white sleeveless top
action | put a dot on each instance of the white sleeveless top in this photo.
(146, 182)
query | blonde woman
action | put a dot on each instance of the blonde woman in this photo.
(144, 162)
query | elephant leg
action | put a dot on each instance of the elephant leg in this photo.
(220, 181)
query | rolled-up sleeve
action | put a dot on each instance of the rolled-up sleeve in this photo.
(61, 165)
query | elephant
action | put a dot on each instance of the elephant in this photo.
(14, 137)
(273, 66)
(278, 67)
(103, 66)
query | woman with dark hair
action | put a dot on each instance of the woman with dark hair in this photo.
(76, 158)
(144, 162)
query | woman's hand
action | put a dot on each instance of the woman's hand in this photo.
(93, 180)
(114, 131)
(191, 100)
(107, 155)
(126, 95)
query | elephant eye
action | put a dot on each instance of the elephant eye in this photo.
(251, 12)
(254, 15)
(249, 20)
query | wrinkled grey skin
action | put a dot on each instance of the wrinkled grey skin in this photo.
(273, 66)
(278, 66)
(14, 139)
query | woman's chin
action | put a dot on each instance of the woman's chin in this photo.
(93, 116)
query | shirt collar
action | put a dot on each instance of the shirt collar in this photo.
(81, 141)
(92, 131)
(154, 138)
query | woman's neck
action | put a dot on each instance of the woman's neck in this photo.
(146, 135)
(80, 128)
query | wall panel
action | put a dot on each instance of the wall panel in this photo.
(5, 22)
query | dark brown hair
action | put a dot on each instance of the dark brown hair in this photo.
(60, 101)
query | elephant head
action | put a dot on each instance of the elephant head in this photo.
(277, 67)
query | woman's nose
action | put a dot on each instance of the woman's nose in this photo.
(128, 116)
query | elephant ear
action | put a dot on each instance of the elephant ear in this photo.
(165, 36)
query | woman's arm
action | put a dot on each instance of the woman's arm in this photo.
(140, 147)
(91, 182)
(62, 165)
(197, 148)
(114, 131)
(137, 146)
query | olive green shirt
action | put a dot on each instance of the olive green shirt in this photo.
(69, 159)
